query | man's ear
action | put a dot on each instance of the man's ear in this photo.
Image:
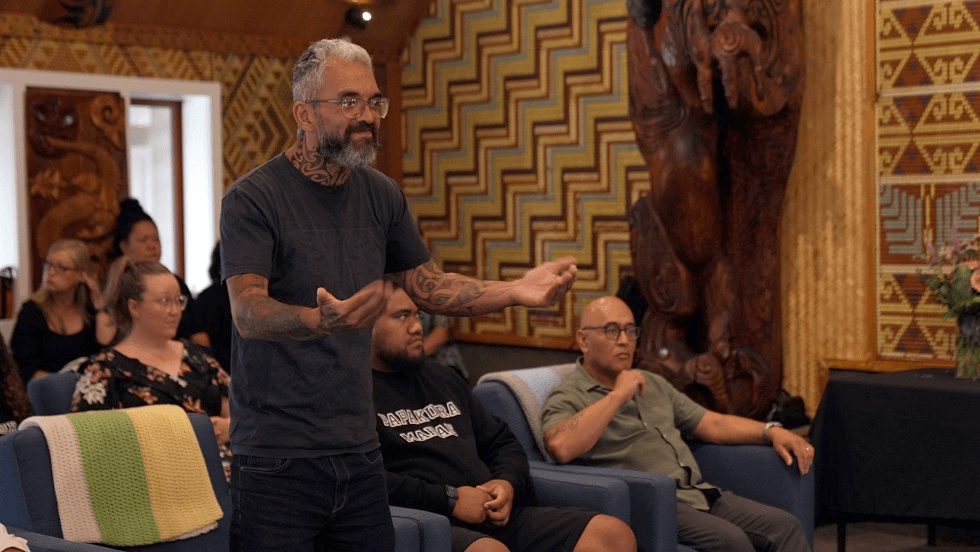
(580, 340)
(303, 114)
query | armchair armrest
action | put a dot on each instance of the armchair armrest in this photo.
(419, 531)
(46, 543)
(596, 492)
(758, 473)
(653, 503)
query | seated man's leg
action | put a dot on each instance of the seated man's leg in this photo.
(708, 533)
(769, 528)
(468, 540)
(606, 534)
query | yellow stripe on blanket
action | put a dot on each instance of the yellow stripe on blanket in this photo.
(171, 451)
(129, 477)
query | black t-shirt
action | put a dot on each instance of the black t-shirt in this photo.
(295, 399)
(434, 433)
(35, 347)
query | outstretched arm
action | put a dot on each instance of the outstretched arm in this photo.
(571, 438)
(258, 316)
(730, 430)
(457, 295)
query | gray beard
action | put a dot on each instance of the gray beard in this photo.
(341, 151)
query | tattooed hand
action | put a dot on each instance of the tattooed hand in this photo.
(546, 284)
(357, 312)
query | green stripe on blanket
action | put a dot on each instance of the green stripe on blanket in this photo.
(116, 478)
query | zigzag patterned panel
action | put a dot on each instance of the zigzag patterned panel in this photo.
(519, 148)
(255, 91)
(928, 126)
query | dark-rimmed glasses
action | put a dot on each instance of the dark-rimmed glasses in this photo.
(352, 107)
(612, 330)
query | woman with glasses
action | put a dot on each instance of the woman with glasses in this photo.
(61, 321)
(145, 364)
(137, 237)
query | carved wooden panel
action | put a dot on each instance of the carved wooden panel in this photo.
(76, 169)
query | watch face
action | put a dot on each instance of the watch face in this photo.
(451, 492)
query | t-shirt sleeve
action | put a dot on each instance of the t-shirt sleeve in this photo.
(561, 404)
(246, 237)
(404, 249)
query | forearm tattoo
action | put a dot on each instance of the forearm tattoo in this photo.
(561, 427)
(259, 316)
(448, 294)
(314, 166)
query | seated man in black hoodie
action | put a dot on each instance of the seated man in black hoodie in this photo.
(445, 454)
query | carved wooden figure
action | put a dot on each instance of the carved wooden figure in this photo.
(715, 94)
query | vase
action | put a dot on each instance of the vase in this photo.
(968, 346)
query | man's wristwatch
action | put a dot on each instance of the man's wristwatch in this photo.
(453, 495)
(766, 428)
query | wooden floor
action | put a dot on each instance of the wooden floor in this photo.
(893, 537)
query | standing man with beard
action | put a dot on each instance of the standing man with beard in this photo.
(306, 241)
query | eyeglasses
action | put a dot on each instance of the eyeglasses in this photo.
(353, 106)
(48, 265)
(612, 330)
(170, 302)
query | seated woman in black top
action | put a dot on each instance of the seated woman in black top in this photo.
(137, 237)
(214, 308)
(60, 322)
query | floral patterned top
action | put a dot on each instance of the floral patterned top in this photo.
(112, 380)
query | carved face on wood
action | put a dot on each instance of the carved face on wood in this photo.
(753, 47)
(48, 117)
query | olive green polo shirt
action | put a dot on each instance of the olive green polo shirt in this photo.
(646, 434)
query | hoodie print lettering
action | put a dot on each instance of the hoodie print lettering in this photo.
(421, 416)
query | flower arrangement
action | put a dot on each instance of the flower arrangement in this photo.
(955, 280)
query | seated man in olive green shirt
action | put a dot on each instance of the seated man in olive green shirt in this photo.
(607, 414)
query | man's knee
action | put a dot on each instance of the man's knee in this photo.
(720, 537)
(606, 533)
(486, 545)
(785, 534)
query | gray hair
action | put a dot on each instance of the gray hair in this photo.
(308, 71)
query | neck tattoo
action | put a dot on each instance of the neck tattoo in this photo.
(313, 166)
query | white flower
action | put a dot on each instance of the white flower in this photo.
(91, 392)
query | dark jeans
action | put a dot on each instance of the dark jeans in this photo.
(737, 524)
(334, 503)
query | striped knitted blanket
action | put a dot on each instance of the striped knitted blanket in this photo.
(129, 477)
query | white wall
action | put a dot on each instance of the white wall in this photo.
(202, 163)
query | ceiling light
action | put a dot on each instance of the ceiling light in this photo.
(357, 17)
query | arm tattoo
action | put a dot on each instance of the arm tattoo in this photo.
(437, 291)
(315, 167)
(561, 427)
(259, 316)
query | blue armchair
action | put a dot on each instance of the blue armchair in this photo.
(29, 508)
(415, 530)
(755, 472)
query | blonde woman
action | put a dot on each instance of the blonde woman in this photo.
(62, 320)
(146, 364)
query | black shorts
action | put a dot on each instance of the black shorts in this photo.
(536, 529)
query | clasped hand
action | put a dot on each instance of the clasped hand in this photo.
(491, 501)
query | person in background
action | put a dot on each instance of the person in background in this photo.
(137, 237)
(64, 318)
(14, 406)
(214, 308)
(439, 344)
(145, 363)
(606, 413)
(467, 465)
